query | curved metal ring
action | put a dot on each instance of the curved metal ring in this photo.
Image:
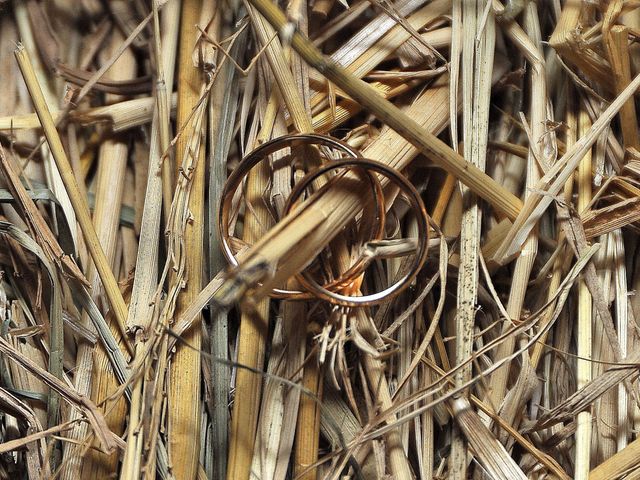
(254, 158)
(423, 226)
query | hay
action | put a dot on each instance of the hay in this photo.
(131, 347)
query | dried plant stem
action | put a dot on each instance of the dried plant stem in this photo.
(373, 43)
(281, 71)
(119, 116)
(94, 416)
(252, 335)
(308, 437)
(79, 204)
(622, 325)
(572, 46)
(618, 49)
(307, 432)
(571, 119)
(147, 262)
(427, 435)
(142, 305)
(480, 183)
(308, 421)
(513, 353)
(93, 375)
(153, 438)
(275, 435)
(132, 460)
(495, 459)
(291, 314)
(54, 254)
(162, 103)
(103, 384)
(604, 412)
(185, 368)
(374, 369)
(222, 112)
(454, 71)
(334, 116)
(585, 323)
(252, 340)
(525, 260)
(321, 8)
(556, 176)
(626, 460)
(291, 233)
(443, 199)
(477, 65)
(554, 284)
(51, 168)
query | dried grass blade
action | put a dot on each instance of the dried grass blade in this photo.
(489, 451)
(252, 338)
(107, 439)
(185, 369)
(222, 112)
(143, 303)
(477, 65)
(79, 204)
(554, 180)
(92, 374)
(56, 331)
(436, 150)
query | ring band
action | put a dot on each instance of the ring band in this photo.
(423, 226)
(260, 154)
